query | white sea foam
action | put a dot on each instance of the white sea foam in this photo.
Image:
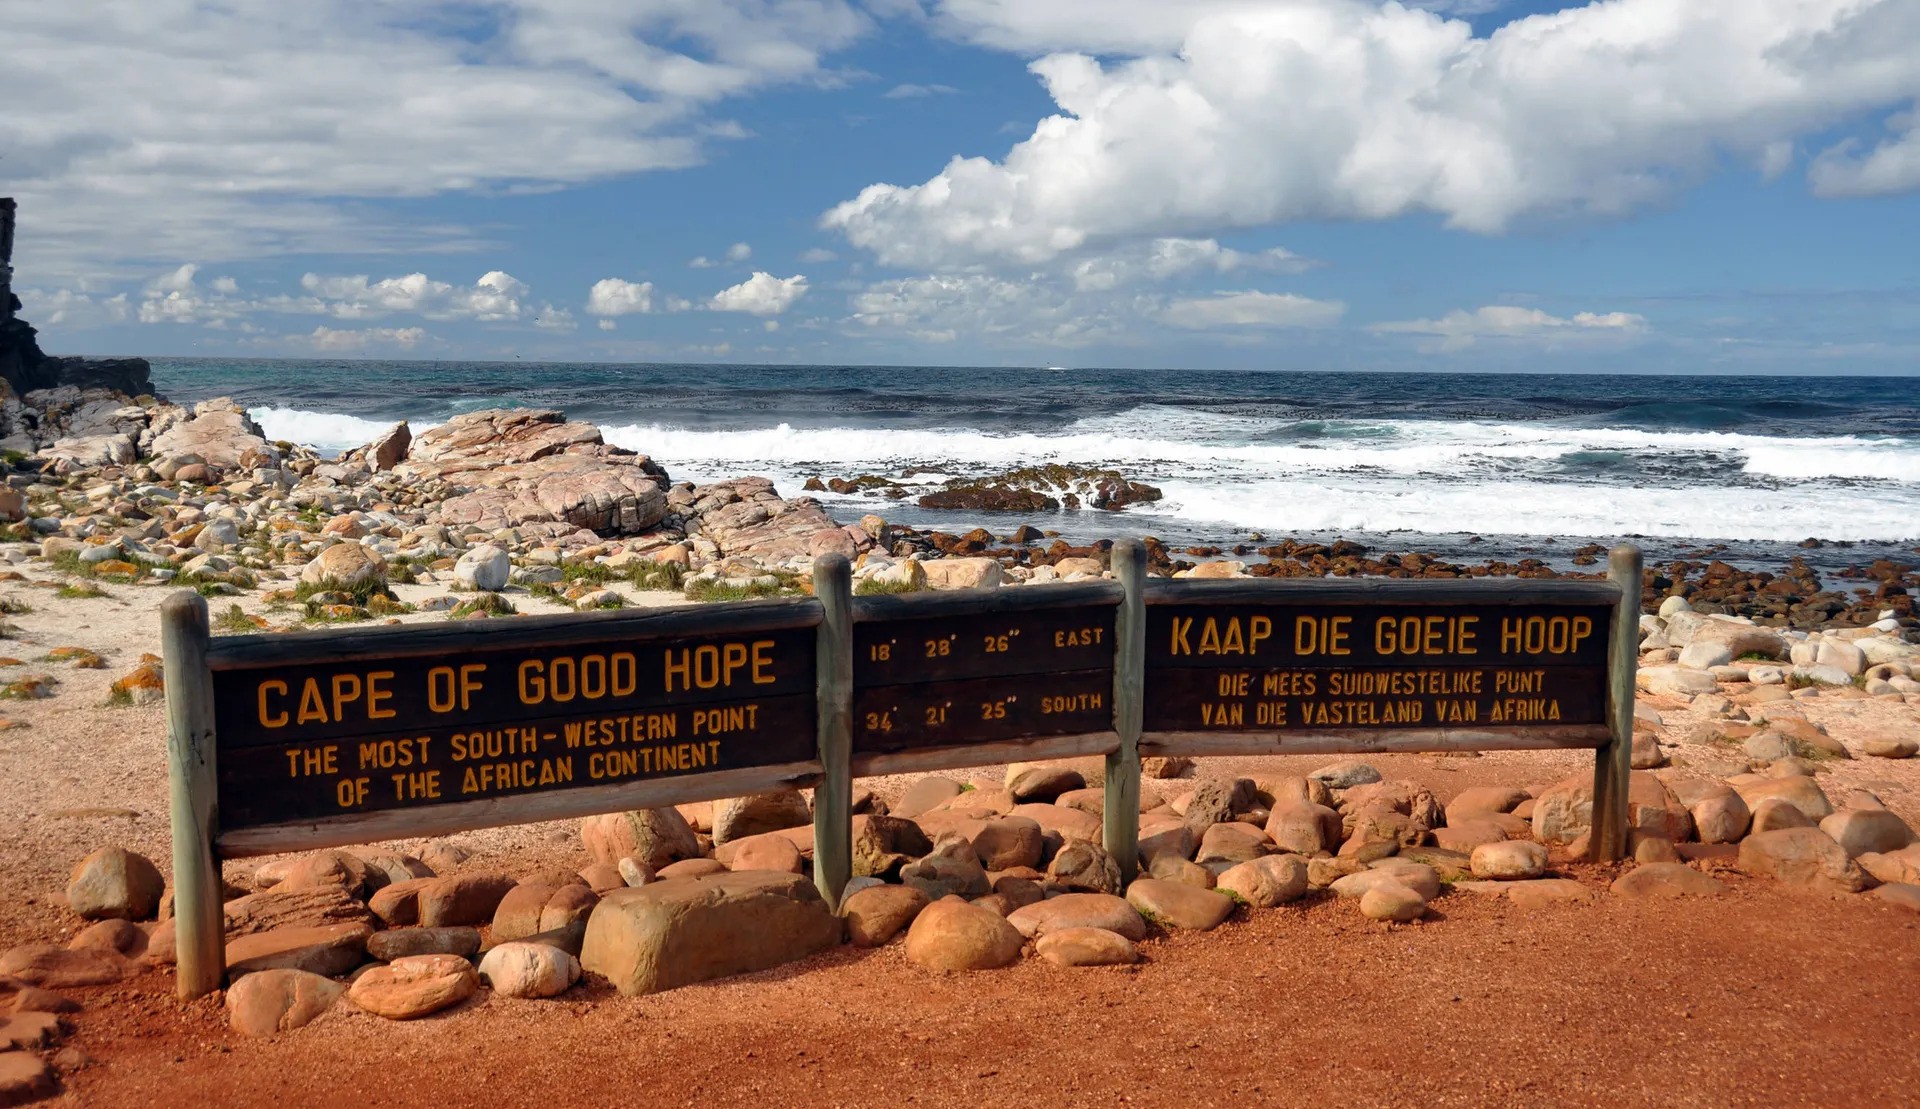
(327, 431)
(1519, 507)
(1249, 471)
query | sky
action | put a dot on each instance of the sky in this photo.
(1667, 186)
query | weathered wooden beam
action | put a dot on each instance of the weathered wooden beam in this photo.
(984, 602)
(525, 808)
(200, 928)
(1121, 813)
(833, 797)
(244, 652)
(1380, 591)
(985, 754)
(1338, 742)
(1613, 763)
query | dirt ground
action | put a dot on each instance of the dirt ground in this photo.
(1757, 997)
(1760, 996)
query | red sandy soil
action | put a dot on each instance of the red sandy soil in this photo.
(1757, 997)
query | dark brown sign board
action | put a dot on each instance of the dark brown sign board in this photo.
(315, 739)
(1272, 666)
(937, 676)
(371, 731)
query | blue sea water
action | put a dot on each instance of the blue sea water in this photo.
(1416, 461)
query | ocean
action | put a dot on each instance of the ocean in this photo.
(1465, 466)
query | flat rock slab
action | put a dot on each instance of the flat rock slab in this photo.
(684, 930)
(57, 968)
(1086, 947)
(329, 951)
(1079, 910)
(24, 1078)
(1178, 905)
(398, 943)
(1666, 880)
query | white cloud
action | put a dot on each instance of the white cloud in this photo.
(1165, 259)
(175, 297)
(550, 318)
(1243, 113)
(738, 252)
(615, 296)
(1892, 166)
(761, 295)
(817, 255)
(73, 308)
(332, 341)
(1459, 329)
(1251, 309)
(226, 286)
(494, 297)
(139, 129)
(914, 92)
(608, 325)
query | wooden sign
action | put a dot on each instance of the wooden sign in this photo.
(950, 671)
(323, 726)
(1404, 656)
(319, 739)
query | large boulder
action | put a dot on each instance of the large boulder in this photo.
(1804, 857)
(1720, 639)
(534, 907)
(879, 913)
(950, 934)
(1265, 882)
(347, 566)
(683, 930)
(115, 883)
(1564, 810)
(1801, 792)
(389, 448)
(739, 817)
(1179, 905)
(279, 1001)
(1086, 866)
(529, 970)
(219, 433)
(746, 517)
(1860, 831)
(963, 573)
(523, 467)
(462, 899)
(416, 986)
(656, 837)
(485, 568)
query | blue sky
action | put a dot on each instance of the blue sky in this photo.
(1641, 185)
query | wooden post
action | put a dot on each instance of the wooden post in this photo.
(1613, 762)
(199, 925)
(833, 797)
(1120, 822)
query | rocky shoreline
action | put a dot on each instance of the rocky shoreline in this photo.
(125, 486)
